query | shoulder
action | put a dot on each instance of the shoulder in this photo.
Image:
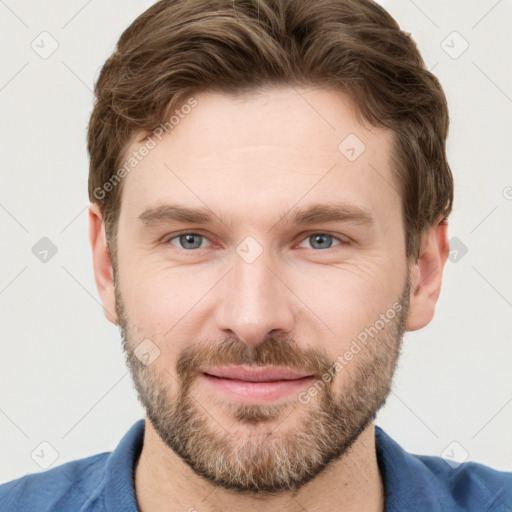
(432, 483)
(471, 485)
(66, 487)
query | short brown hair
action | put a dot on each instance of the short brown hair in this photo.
(178, 48)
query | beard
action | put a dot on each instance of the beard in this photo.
(255, 454)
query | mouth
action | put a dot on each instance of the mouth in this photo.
(253, 385)
(255, 374)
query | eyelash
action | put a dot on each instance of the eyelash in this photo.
(343, 240)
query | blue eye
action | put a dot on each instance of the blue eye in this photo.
(323, 241)
(188, 240)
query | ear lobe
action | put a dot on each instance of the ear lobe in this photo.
(426, 276)
(102, 263)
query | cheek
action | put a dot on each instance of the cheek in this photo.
(348, 298)
(163, 304)
(151, 283)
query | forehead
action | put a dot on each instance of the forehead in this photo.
(257, 155)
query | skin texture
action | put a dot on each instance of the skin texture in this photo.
(252, 160)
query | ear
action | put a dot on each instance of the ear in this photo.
(426, 276)
(102, 263)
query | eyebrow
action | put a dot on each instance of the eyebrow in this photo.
(314, 214)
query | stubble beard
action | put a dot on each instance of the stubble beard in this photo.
(254, 453)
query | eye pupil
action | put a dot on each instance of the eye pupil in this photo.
(189, 239)
(320, 239)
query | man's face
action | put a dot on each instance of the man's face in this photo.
(255, 289)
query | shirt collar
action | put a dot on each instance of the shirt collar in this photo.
(119, 471)
(408, 483)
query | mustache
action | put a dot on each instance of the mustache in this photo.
(272, 351)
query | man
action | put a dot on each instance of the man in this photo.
(269, 199)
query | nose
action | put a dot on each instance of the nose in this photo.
(255, 300)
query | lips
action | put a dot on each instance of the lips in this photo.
(253, 385)
(255, 374)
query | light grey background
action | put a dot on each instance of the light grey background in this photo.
(62, 375)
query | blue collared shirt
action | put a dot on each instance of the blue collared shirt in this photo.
(413, 483)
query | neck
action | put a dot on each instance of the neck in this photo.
(164, 482)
